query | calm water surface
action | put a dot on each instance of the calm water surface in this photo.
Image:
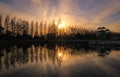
(59, 61)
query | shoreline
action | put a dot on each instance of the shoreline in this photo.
(62, 42)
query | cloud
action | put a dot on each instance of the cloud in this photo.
(109, 9)
(83, 12)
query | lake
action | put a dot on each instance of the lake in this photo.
(52, 60)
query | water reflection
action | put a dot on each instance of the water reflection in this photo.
(20, 55)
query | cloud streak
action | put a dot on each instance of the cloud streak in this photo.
(83, 12)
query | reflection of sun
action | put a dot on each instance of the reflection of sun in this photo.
(60, 54)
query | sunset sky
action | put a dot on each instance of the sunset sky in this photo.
(88, 13)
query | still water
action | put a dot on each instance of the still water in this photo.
(37, 60)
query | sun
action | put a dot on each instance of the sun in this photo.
(60, 25)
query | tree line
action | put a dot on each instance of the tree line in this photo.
(19, 29)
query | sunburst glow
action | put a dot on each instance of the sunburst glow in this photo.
(61, 25)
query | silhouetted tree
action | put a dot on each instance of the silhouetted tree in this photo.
(36, 30)
(6, 23)
(17, 28)
(13, 25)
(44, 28)
(54, 27)
(32, 29)
(41, 26)
(103, 33)
(1, 28)
(25, 28)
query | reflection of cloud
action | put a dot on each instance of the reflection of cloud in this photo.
(72, 11)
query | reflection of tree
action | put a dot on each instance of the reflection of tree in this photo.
(0, 61)
(102, 52)
(31, 53)
(6, 61)
(12, 60)
(21, 55)
(36, 54)
(41, 54)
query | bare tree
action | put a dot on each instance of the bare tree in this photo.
(1, 28)
(54, 28)
(13, 26)
(25, 28)
(45, 28)
(36, 31)
(17, 27)
(41, 31)
(32, 29)
(6, 23)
